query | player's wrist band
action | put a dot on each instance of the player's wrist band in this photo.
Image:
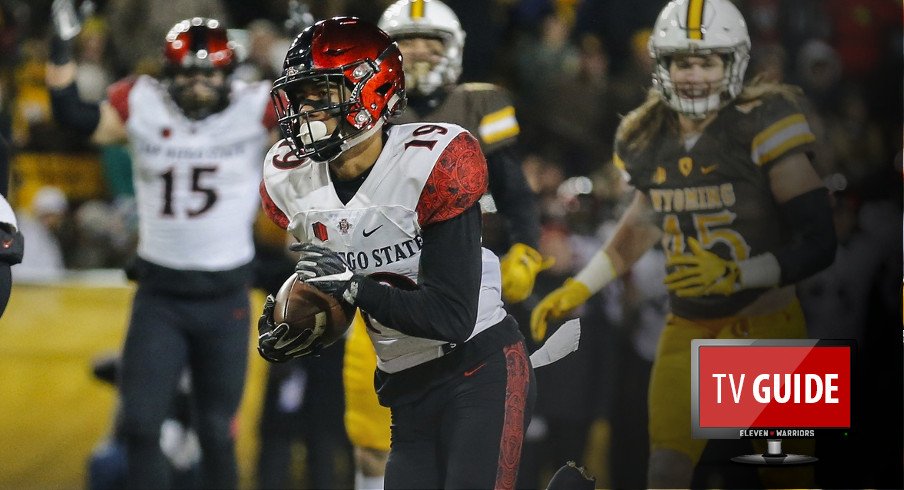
(351, 291)
(597, 273)
(761, 271)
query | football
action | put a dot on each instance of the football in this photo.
(305, 308)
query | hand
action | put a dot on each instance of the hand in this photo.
(322, 268)
(702, 273)
(272, 343)
(520, 267)
(557, 303)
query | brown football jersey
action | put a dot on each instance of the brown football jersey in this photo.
(484, 109)
(718, 190)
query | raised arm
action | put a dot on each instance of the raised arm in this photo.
(101, 121)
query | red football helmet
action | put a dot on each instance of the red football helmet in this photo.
(355, 58)
(198, 43)
(198, 48)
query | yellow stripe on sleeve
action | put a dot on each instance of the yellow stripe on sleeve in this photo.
(781, 124)
(781, 149)
(781, 136)
(507, 111)
(499, 125)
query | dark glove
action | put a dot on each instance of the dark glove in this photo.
(275, 343)
(67, 23)
(324, 269)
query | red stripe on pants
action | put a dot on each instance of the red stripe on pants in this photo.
(516, 392)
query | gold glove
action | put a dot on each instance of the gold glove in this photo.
(702, 273)
(520, 267)
(557, 303)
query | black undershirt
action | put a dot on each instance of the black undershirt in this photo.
(346, 189)
(513, 196)
(444, 307)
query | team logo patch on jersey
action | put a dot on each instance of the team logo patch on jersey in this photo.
(344, 226)
(320, 231)
(659, 175)
(685, 165)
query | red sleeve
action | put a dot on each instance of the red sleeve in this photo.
(269, 120)
(273, 212)
(118, 96)
(458, 180)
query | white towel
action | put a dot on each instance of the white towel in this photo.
(564, 341)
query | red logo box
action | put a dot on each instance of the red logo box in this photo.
(769, 384)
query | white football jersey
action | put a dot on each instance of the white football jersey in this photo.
(196, 182)
(378, 231)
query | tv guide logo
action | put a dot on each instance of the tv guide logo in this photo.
(769, 388)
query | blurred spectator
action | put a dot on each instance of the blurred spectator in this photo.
(33, 126)
(818, 73)
(265, 52)
(485, 23)
(544, 174)
(769, 63)
(615, 21)
(32, 101)
(862, 33)
(867, 34)
(95, 73)
(630, 85)
(801, 21)
(764, 17)
(40, 224)
(540, 61)
(856, 141)
(105, 235)
(575, 108)
(11, 17)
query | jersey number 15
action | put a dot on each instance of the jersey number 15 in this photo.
(209, 194)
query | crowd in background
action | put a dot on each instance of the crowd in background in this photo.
(573, 67)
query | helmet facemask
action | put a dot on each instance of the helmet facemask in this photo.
(431, 19)
(696, 100)
(425, 77)
(358, 66)
(198, 103)
(306, 102)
